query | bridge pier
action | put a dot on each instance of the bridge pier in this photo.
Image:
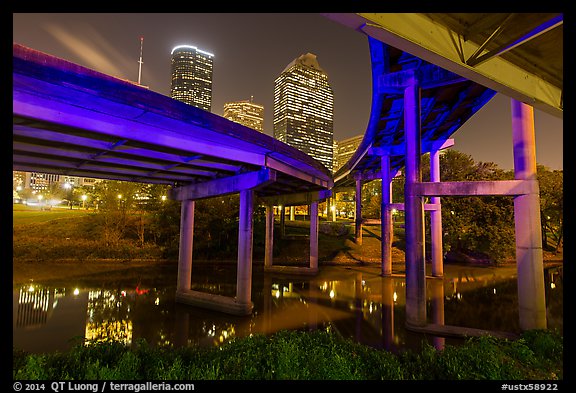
(529, 258)
(268, 254)
(387, 228)
(242, 303)
(436, 218)
(358, 215)
(186, 242)
(414, 209)
(245, 236)
(269, 242)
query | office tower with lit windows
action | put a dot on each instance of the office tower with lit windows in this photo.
(192, 76)
(246, 113)
(345, 149)
(304, 109)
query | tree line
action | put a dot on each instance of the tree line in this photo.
(478, 224)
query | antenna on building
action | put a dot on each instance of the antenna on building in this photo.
(140, 62)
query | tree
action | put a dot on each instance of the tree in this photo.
(551, 207)
(116, 204)
(479, 224)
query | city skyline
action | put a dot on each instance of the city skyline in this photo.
(250, 51)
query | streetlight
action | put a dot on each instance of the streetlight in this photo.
(69, 193)
(84, 201)
(163, 198)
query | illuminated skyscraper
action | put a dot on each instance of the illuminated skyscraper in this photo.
(304, 109)
(246, 113)
(345, 149)
(192, 76)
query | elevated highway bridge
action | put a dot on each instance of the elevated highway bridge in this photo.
(430, 73)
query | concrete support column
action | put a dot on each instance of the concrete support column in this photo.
(314, 235)
(292, 213)
(386, 216)
(282, 222)
(358, 216)
(245, 234)
(185, 249)
(414, 210)
(269, 243)
(529, 258)
(333, 206)
(436, 219)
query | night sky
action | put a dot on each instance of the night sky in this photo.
(250, 51)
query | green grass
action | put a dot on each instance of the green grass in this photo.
(297, 355)
(70, 234)
(27, 215)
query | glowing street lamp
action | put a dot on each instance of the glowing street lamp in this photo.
(84, 201)
(163, 198)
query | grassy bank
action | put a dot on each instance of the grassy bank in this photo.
(75, 235)
(293, 355)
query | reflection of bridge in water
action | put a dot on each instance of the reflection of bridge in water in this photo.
(357, 303)
(73, 120)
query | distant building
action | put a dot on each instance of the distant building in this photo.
(40, 182)
(246, 113)
(304, 109)
(192, 70)
(345, 149)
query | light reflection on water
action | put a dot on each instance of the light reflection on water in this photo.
(355, 302)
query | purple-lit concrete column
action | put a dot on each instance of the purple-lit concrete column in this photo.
(269, 243)
(245, 234)
(358, 215)
(185, 249)
(314, 235)
(436, 219)
(386, 216)
(414, 210)
(529, 258)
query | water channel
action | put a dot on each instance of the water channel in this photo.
(354, 301)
